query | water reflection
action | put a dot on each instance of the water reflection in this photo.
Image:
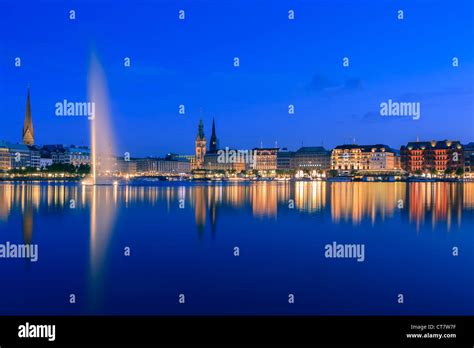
(358, 200)
(420, 203)
(103, 203)
(104, 218)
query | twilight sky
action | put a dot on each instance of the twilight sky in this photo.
(282, 62)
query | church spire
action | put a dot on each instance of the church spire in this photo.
(28, 132)
(213, 147)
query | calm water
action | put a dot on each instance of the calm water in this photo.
(409, 231)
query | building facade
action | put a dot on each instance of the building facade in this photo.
(381, 158)
(126, 166)
(219, 161)
(347, 159)
(78, 155)
(468, 155)
(432, 156)
(21, 155)
(285, 159)
(312, 158)
(75, 155)
(5, 159)
(180, 166)
(265, 159)
(162, 166)
(45, 162)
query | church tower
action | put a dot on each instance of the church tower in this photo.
(28, 133)
(213, 146)
(200, 147)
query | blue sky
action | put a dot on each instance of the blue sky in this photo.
(283, 62)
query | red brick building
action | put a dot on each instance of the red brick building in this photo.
(428, 156)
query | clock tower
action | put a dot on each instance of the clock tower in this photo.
(200, 147)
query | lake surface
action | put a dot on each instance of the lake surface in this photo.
(182, 238)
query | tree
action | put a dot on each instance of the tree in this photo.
(83, 169)
(23, 170)
(459, 171)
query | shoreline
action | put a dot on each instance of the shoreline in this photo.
(233, 181)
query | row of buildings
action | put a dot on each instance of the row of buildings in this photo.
(416, 157)
(441, 157)
(22, 156)
(29, 155)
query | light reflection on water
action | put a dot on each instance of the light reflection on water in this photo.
(424, 203)
(288, 223)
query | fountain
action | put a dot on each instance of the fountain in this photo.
(103, 200)
(103, 160)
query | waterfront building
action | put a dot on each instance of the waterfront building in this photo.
(212, 163)
(396, 162)
(200, 149)
(78, 155)
(5, 159)
(468, 155)
(75, 155)
(147, 165)
(21, 155)
(28, 132)
(285, 159)
(226, 160)
(45, 162)
(163, 166)
(265, 159)
(178, 166)
(381, 157)
(312, 158)
(126, 167)
(54, 152)
(432, 156)
(174, 156)
(34, 156)
(347, 159)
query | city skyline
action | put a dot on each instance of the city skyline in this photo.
(211, 148)
(434, 157)
(190, 63)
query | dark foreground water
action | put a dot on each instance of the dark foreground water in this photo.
(182, 238)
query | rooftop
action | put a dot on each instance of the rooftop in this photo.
(311, 149)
